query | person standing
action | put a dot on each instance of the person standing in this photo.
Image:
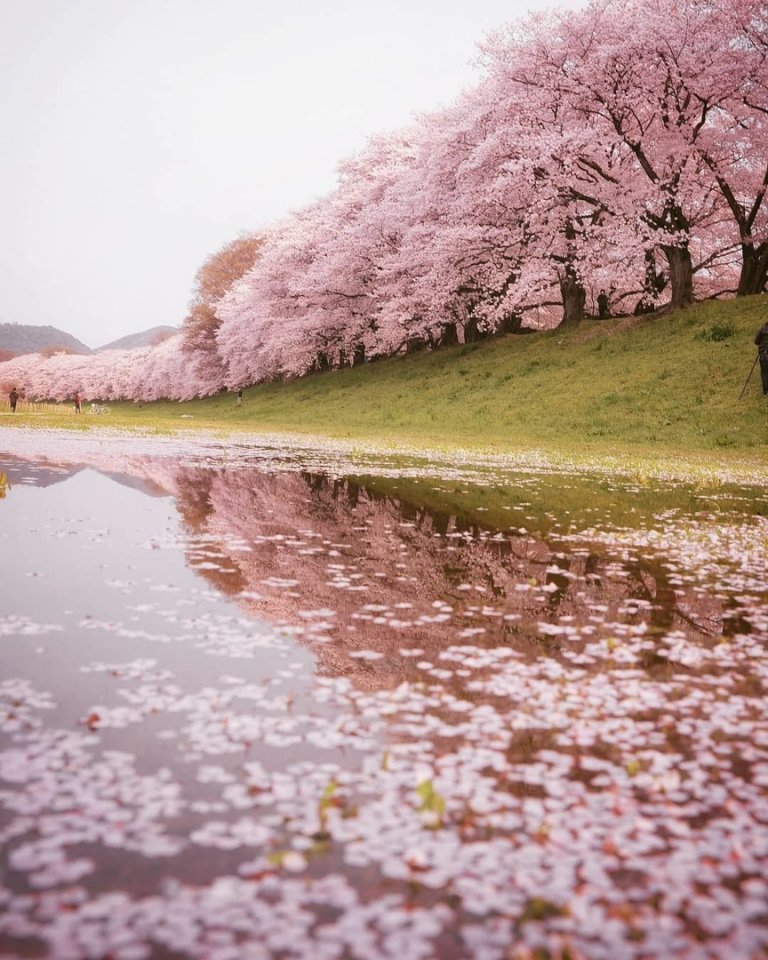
(602, 306)
(761, 340)
(13, 399)
(78, 402)
(239, 398)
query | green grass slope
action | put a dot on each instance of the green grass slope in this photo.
(669, 382)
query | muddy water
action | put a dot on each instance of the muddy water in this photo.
(258, 705)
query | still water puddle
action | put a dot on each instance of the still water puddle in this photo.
(256, 705)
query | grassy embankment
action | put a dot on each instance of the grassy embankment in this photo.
(668, 384)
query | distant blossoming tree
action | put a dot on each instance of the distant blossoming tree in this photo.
(214, 278)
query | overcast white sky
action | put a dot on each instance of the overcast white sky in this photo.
(139, 136)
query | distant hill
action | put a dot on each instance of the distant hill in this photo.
(143, 339)
(25, 338)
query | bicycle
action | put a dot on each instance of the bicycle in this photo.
(99, 408)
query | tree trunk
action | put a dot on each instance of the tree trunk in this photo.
(414, 344)
(680, 276)
(449, 336)
(471, 330)
(754, 269)
(655, 281)
(358, 356)
(509, 323)
(574, 297)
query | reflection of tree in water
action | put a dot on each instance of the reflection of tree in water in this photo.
(334, 560)
(193, 500)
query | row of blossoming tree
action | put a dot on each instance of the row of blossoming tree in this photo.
(622, 146)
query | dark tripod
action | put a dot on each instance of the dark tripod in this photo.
(752, 370)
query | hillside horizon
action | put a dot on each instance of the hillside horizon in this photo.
(32, 338)
(24, 338)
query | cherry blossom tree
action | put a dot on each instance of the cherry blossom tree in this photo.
(727, 76)
(214, 278)
(313, 300)
(678, 87)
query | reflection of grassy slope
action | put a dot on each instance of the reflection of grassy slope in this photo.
(554, 503)
(670, 382)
